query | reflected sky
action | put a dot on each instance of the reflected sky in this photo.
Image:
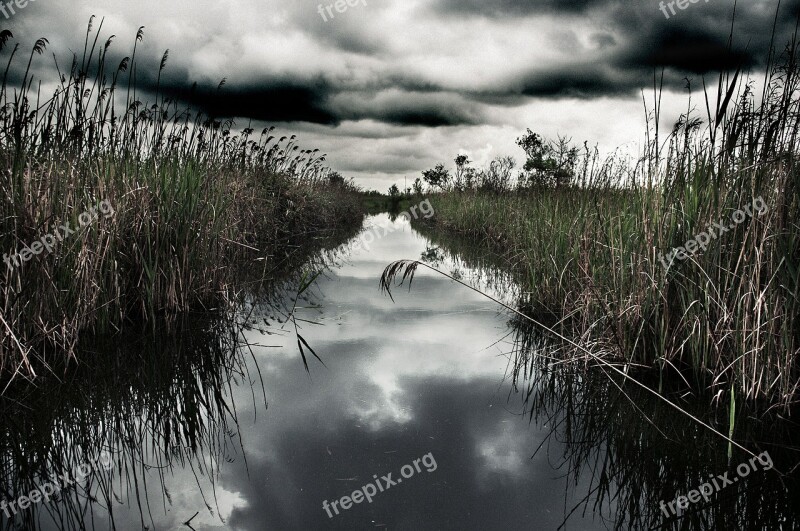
(425, 374)
(207, 436)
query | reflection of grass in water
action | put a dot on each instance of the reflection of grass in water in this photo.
(628, 444)
(156, 401)
(159, 401)
(635, 451)
(480, 267)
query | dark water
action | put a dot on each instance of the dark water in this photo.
(217, 424)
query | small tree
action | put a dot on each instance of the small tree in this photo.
(418, 188)
(471, 178)
(548, 163)
(497, 178)
(437, 177)
(462, 163)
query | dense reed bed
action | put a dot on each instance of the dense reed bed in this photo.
(631, 448)
(589, 251)
(169, 406)
(623, 444)
(189, 203)
(157, 400)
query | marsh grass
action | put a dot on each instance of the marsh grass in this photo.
(629, 449)
(623, 447)
(727, 321)
(153, 402)
(196, 203)
(161, 401)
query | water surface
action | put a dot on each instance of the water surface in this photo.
(214, 435)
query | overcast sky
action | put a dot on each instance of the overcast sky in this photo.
(391, 87)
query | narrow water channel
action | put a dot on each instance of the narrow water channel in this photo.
(424, 404)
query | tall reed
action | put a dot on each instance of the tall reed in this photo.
(195, 202)
(589, 254)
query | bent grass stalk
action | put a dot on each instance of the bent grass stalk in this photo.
(408, 269)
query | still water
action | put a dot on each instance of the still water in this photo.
(433, 405)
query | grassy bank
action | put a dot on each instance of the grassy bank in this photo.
(593, 253)
(189, 205)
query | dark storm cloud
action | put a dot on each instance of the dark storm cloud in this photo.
(694, 41)
(391, 101)
(454, 74)
(399, 107)
(584, 81)
(513, 8)
(626, 43)
(279, 103)
(698, 40)
(694, 53)
(430, 117)
(322, 103)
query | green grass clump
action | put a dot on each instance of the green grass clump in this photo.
(196, 205)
